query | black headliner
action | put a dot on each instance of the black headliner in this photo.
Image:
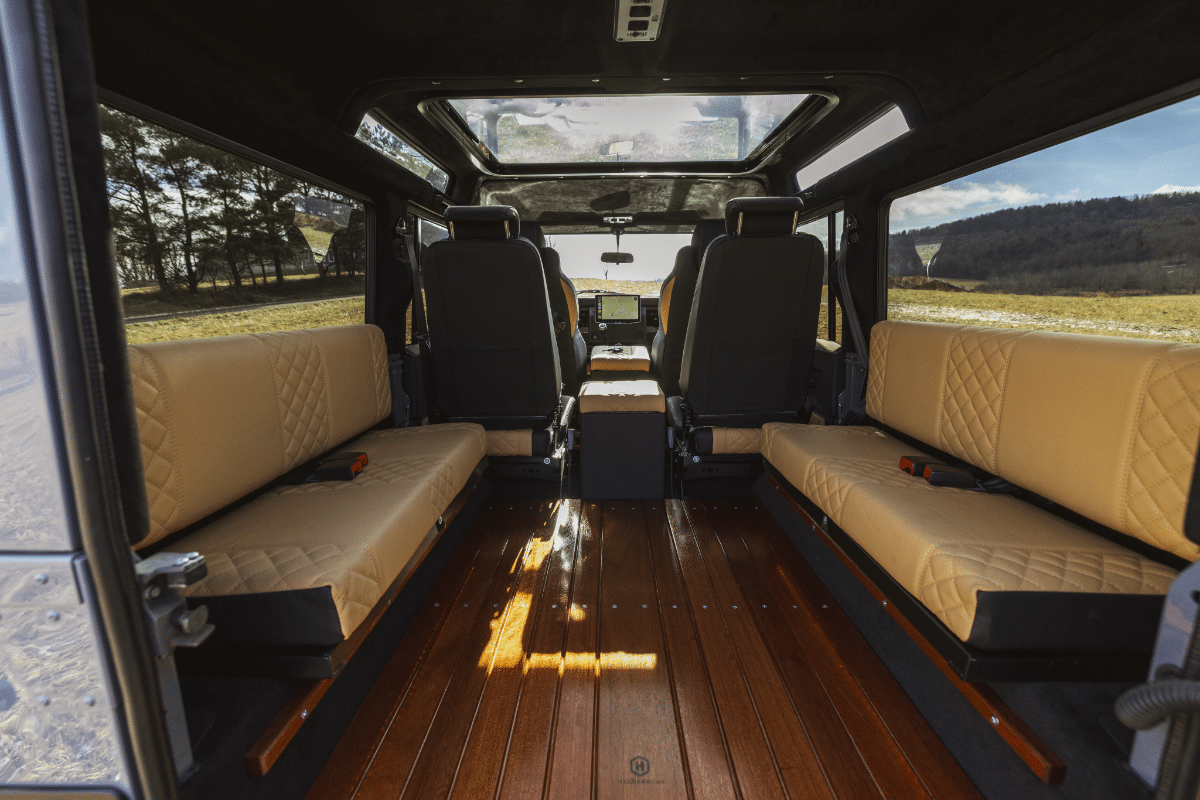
(293, 79)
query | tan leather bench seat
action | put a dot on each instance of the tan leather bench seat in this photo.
(298, 564)
(985, 564)
(1107, 428)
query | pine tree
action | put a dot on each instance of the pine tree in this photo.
(136, 201)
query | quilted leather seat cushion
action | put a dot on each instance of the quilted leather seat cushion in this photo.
(953, 548)
(460, 444)
(330, 550)
(1105, 427)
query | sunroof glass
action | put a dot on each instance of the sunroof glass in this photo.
(658, 128)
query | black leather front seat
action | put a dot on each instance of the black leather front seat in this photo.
(564, 305)
(491, 333)
(753, 327)
(675, 306)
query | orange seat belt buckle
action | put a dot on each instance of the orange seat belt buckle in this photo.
(915, 465)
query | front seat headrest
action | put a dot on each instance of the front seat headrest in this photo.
(703, 235)
(533, 232)
(482, 222)
(749, 216)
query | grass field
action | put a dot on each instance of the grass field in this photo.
(1165, 317)
(321, 314)
(147, 300)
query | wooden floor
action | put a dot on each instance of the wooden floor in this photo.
(635, 649)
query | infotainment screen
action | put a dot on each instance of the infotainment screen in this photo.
(617, 307)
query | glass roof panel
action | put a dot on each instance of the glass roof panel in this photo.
(606, 129)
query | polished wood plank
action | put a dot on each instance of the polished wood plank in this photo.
(799, 763)
(409, 731)
(572, 763)
(709, 762)
(436, 768)
(505, 657)
(753, 757)
(1039, 757)
(539, 687)
(856, 750)
(528, 747)
(637, 748)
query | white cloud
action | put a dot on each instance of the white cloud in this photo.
(941, 200)
(1170, 188)
(1063, 197)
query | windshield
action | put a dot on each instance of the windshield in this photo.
(658, 128)
(653, 260)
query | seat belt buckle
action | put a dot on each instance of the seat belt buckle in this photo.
(915, 465)
(341, 467)
(944, 475)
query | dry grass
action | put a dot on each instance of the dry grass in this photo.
(321, 314)
(147, 300)
(1164, 317)
(589, 286)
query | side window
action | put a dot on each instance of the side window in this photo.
(828, 230)
(1099, 235)
(209, 243)
(389, 144)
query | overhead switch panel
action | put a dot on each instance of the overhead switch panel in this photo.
(638, 20)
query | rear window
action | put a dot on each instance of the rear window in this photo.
(209, 243)
(1099, 235)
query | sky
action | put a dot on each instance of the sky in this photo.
(1157, 152)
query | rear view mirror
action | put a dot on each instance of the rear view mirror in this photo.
(617, 258)
(616, 149)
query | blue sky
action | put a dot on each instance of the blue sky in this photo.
(1156, 152)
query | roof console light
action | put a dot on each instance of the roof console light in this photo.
(638, 20)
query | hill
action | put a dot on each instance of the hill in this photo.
(1114, 244)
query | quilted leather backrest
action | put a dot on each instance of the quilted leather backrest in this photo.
(219, 418)
(1106, 427)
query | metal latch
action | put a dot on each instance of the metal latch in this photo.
(172, 623)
